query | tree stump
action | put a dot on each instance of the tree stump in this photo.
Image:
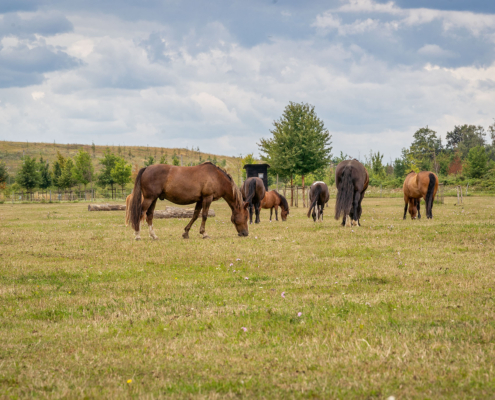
(169, 212)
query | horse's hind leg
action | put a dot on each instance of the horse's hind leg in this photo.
(206, 206)
(257, 211)
(149, 219)
(405, 207)
(355, 206)
(251, 213)
(276, 213)
(418, 202)
(145, 206)
(271, 213)
(321, 211)
(197, 209)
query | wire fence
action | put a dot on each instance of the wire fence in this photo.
(46, 196)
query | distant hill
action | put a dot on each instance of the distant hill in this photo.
(12, 152)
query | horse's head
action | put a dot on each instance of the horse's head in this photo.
(284, 214)
(240, 219)
(413, 209)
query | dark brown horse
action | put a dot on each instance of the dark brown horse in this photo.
(200, 184)
(253, 192)
(351, 179)
(417, 186)
(318, 196)
(272, 200)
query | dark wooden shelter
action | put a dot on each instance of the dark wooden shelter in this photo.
(258, 171)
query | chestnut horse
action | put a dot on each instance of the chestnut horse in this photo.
(274, 199)
(351, 179)
(318, 196)
(253, 192)
(416, 186)
(200, 184)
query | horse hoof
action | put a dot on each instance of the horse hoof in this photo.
(185, 235)
(206, 237)
(137, 238)
(154, 237)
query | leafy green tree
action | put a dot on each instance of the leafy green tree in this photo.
(84, 169)
(57, 168)
(342, 157)
(300, 143)
(426, 145)
(149, 161)
(491, 130)
(28, 177)
(108, 162)
(93, 148)
(477, 162)
(44, 173)
(3, 174)
(163, 159)
(400, 168)
(375, 164)
(175, 160)
(121, 173)
(465, 137)
(67, 179)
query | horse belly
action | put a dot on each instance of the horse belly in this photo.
(183, 195)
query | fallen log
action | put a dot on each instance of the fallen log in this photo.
(106, 207)
(176, 212)
(169, 212)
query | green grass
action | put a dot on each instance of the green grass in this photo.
(402, 308)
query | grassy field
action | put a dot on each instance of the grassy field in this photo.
(295, 310)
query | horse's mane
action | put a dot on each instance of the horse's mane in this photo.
(410, 172)
(235, 190)
(283, 200)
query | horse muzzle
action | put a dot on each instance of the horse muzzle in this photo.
(243, 233)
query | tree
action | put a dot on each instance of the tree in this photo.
(455, 166)
(249, 159)
(175, 160)
(426, 145)
(58, 166)
(400, 167)
(28, 177)
(67, 179)
(300, 143)
(3, 175)
(465, 137)
(83, 170)
(93, 147)
(477, 162)
(491, 130)
(108, 162)
(163, 159)
(149, 161)
(121, 173)
(45, 175)
(375, 163)
(342, 157)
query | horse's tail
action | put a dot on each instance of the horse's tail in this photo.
(283, 202)
(251, 191)
(429, 194)
(137, 202)
(316, 195)
(345, 194)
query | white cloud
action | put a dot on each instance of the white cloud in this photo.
(38, 95)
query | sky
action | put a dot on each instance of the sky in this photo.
(215, 75)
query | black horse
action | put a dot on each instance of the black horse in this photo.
(318, 196)
(352, 181)
(253, 191)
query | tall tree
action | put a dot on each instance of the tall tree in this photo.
(83, 169)
(465, 137)
(425, 147)
(45, 174)
(28, 177)
(108, 162)
(300, 143)
(57, 168)
(121, 173)
(67, 179)
(477, 162)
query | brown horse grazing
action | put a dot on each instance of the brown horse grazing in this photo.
(200, 184)
(272, 200)
(318, 196)
(416, 186)
(351, 179)
(253, 192)
(128, 200)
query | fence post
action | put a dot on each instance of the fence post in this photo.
(380, 190)
(460, 189)
(457, 195)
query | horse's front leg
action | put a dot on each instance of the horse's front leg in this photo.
(206, 206)
(276, 213)
(149, 219)
(144, 208)
(418, 203)
(321, 211)
(271, 213)
(251, 213)
(197, 209)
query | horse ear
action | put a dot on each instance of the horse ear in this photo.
(246, 205)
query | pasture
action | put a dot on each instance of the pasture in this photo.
(295, 310)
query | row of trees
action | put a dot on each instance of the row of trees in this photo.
(66, 173)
